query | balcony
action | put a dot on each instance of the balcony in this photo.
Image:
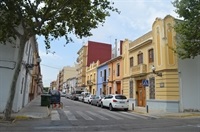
(89, 82)
(139, 70)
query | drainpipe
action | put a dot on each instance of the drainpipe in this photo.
(26, 76)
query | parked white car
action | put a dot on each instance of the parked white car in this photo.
(115, 101)
(88, 98)
(84, 94)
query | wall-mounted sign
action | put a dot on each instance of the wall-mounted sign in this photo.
(162, 85)
(145, 82)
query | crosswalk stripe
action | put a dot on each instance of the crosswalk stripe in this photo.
(55, 115)
(110, 115)
(98, 116)
(69, 115)
(135, 115)
(84, 115)
(126, 116)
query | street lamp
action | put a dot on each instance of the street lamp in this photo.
(154, 71)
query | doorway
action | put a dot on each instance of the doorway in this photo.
(141, 94)
(118, 91)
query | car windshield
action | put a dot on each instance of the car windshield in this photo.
(120, 97)
(79, 92)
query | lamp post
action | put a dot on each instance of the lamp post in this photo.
(154, 71)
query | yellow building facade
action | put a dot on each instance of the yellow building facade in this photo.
(91, 77)
(150, 73)
(81, 68)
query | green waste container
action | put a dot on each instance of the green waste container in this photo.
(45, 100)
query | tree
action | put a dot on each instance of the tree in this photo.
(188, 29)
(49, 18)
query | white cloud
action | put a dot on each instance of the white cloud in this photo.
(52, 56)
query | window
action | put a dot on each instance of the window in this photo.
(22, 85)
(100, 73)
(118, 69)
(131, 89)
(152, 88)
(140, 58)
(131, 62)
(109, 72)
(151, 56)
(105, 75)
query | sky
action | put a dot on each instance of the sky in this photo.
(136, 18)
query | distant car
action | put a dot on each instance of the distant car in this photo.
(76, 94)
(88, 98)
(97, 100)
(63, 94)
(68, 95)
(80, 98)
(84, 94)
(115, 101)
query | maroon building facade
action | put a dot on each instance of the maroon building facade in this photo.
(98, 51)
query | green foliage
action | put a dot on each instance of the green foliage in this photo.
(188, 30)
(52, 18)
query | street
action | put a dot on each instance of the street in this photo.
(78, 116)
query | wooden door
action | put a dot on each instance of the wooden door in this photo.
(118, 88)
(141, 94)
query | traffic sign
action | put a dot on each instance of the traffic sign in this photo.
(145, 82)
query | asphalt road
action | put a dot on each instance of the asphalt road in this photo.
(77, 116)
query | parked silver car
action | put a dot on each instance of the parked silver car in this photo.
(97, 100)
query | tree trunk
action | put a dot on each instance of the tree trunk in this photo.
(8, 109)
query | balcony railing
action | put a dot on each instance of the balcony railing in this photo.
(138, 70)
(89, 82)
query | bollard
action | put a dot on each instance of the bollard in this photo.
(147, 108)
(132, 106)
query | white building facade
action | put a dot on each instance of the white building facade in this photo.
(8, 58)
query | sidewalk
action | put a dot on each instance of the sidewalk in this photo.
(32, 110)
(162, 114)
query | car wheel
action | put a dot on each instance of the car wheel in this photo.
(126, 109)
(101, 105)
(110, 107)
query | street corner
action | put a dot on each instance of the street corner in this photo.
(145, 114)
(181, 115)
(3, 121)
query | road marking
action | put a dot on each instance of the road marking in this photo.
(84, 115)
(96, 115)
(123, 115)
(69, 115)
(55, 115)
(136, 115)
(110, 115)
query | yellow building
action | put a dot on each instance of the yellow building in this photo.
(91, 74)
(149, 60)
(82, 64)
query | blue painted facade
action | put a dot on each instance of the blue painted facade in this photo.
(102, 74)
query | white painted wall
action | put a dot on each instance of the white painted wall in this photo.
(8, 58)
(189, 76)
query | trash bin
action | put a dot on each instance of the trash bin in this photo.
(45, 100)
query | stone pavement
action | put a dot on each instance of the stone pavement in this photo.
(32, 110)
